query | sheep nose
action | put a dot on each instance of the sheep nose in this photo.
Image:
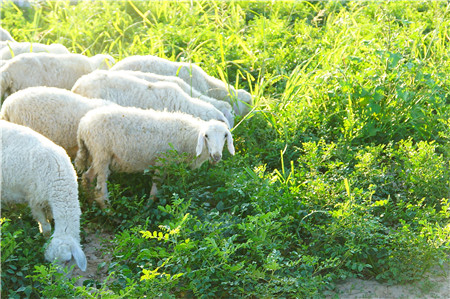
(217, 157)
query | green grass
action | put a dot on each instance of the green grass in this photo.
(342, 167)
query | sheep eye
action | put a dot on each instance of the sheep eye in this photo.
(226, 135)
(206, 135)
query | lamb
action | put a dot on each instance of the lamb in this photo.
(222, 106)
(128, 90)
(50, 111)
(192, 75)
(36, 171)
(46, 69)
(16, 48)
(4, 35)
(128, 139)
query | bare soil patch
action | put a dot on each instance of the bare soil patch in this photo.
(98, 257)
(436, 285)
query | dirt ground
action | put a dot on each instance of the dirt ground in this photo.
(97, 257)
(437, 285)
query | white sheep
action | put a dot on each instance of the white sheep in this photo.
(36, 171)
(4, 35)
(17, 48)
(45, 69)
(222, 106)
(127, 139)
(193, 75)
(50, 111)
(127, 90)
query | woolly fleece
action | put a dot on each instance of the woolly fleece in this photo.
(46, 69)
(36, 171)
(26, 47)
(130, 91)
(50, 111)
(222, 106)
(193, 75)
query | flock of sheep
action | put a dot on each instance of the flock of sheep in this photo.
(105, 117)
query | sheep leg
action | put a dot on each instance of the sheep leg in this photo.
(157, 180)
(101, 190)
(48, 213)
(86, 181)
(39, 214)
(154, 190)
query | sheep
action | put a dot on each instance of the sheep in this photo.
(14, 48)
(46, 69)
(193, 75)
(222, 106)
(4, 35)
(128, 139)
(36, 171)
(128, 90)
(50, 111)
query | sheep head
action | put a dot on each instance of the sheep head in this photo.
(213, 138)
(241, 100)
(102, 62)
(65, 251)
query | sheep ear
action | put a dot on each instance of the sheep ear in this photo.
(200, 143)
(230, 143)
(79, 257)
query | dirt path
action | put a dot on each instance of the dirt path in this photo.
(98, 257)
(437, 285)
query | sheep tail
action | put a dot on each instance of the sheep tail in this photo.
(81, 160)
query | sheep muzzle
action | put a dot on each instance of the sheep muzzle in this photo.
(215, 158)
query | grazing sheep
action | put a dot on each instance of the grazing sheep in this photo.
(50, 111)
(127, 90)
(126, 139)
(4, 35)
(193, 75)
(45, 69)
(222, 106)
(36, 171)
(16, 48)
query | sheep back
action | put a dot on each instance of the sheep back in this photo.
(43, 69)
(5, 36)
(18, 48)
(52, 112)
(130, 91)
